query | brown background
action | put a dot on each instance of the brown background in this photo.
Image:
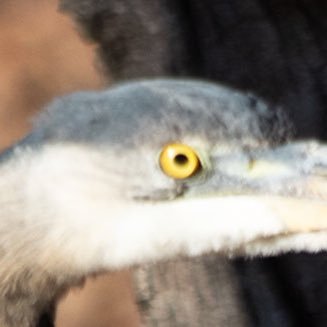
(42, 56)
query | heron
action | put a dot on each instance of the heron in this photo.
(148, 170)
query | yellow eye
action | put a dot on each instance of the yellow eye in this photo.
(179, 161)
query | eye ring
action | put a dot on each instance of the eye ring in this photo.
(179, 161)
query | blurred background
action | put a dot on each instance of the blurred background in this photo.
(42, 56)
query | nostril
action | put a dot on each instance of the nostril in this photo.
(251, 164)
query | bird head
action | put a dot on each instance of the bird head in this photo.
(149, 170)
(153, 169)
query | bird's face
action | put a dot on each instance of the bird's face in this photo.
(158, 168)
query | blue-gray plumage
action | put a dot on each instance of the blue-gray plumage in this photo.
(92, 189)
(181, 107)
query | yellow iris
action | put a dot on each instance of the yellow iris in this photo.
(179, 161)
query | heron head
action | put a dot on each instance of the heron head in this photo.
(150, 169)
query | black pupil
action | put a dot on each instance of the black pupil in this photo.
(181, 159)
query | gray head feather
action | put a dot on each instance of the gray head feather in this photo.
(159, 111)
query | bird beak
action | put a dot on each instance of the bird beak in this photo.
(291, 180)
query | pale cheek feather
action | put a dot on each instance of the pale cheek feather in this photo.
(93, 228)
(145, 233)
